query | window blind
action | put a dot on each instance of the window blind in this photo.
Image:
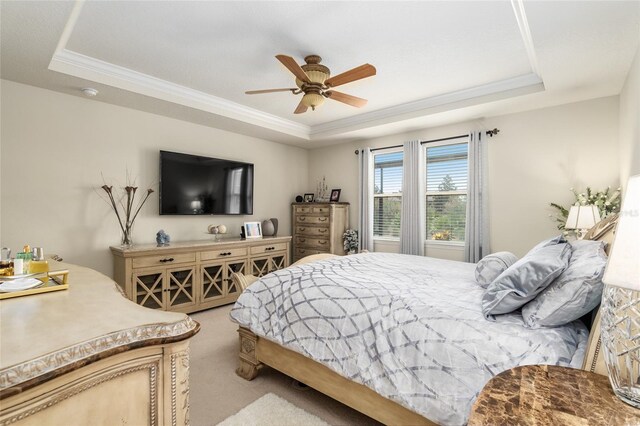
(387, 194)
(446, 198)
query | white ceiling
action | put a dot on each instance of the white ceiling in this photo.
(437, 62)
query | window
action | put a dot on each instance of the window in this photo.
(447, 174)
(387, 194)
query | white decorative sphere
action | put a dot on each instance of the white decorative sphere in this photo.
(222, 229)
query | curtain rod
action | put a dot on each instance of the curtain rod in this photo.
(490, 133)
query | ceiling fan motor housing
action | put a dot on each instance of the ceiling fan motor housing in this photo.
(316, 72)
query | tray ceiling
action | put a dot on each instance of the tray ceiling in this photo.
(433, 59)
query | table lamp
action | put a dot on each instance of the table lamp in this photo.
(621, 301)
(582, 218)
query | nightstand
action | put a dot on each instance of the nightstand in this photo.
(550, 395)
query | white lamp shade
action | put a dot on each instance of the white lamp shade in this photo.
(582, 217)
(623, 267)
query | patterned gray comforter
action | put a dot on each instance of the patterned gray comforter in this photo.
(410, 328)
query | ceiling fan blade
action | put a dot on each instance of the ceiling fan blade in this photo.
(293, 66)
(257, 92)
(301, 108)
(363, 71)
(347, 99)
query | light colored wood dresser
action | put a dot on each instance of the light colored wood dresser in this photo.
(318, 228)
(87, 355)
(195, 275)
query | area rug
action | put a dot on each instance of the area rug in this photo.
(271, 410)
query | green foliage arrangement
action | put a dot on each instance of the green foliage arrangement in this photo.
(607, 201)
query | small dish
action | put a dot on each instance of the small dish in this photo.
(19, 285)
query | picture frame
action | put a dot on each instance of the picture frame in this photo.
(252, 230)
(335, 195)
(308, 198)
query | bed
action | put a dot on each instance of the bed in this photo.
(399, 338)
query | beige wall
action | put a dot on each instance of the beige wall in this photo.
(55, 148)
(630, 123)
(535, 159)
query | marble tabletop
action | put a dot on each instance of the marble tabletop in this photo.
(550, 395)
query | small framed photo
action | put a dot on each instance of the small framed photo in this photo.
(335, 195)
(308, 198)
(252, 230)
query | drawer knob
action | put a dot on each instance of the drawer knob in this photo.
(322, 231)
(302, 229)
(322, 242)
(228, 253)
(302, 219)
(322, 219)
(170, 259)
(302, 240)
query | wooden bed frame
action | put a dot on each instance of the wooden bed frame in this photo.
(255, 352)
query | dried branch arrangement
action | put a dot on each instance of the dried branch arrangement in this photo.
(125, 208)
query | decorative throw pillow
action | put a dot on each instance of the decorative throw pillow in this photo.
(491, 266)
(575, 292)
(525, 279)
(549, 242)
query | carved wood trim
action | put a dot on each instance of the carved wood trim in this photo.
(153, 368)
(248, 363)
(20, 377)
(180, 376)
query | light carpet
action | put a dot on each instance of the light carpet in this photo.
(271, 410)
(216, 392)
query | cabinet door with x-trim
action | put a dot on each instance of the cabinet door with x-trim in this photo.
(180, 288)
(166, 289)
(216, 280)
(148, 288)
(262, 265)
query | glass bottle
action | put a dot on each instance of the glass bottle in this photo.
(26, 257)
(38, 264)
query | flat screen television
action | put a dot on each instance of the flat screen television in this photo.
(196, 185)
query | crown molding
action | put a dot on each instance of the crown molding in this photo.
(498, 90)
(525, 32)
(85, 67)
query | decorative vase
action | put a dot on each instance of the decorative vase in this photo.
(268, 229)
(620, 325)
(127, 236)
(275, 225)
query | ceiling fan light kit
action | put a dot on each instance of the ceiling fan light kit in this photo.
(312, 100)
(314, 80)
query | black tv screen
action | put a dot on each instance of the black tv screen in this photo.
(195, 185)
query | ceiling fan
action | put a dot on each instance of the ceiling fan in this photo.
(313, 79)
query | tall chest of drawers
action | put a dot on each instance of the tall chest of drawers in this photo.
(318, 228)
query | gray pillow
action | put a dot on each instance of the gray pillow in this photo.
(525, 279)
(491, 266)
(559, 239)
(575, 292)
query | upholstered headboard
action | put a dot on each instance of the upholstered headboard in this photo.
(594, 360)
